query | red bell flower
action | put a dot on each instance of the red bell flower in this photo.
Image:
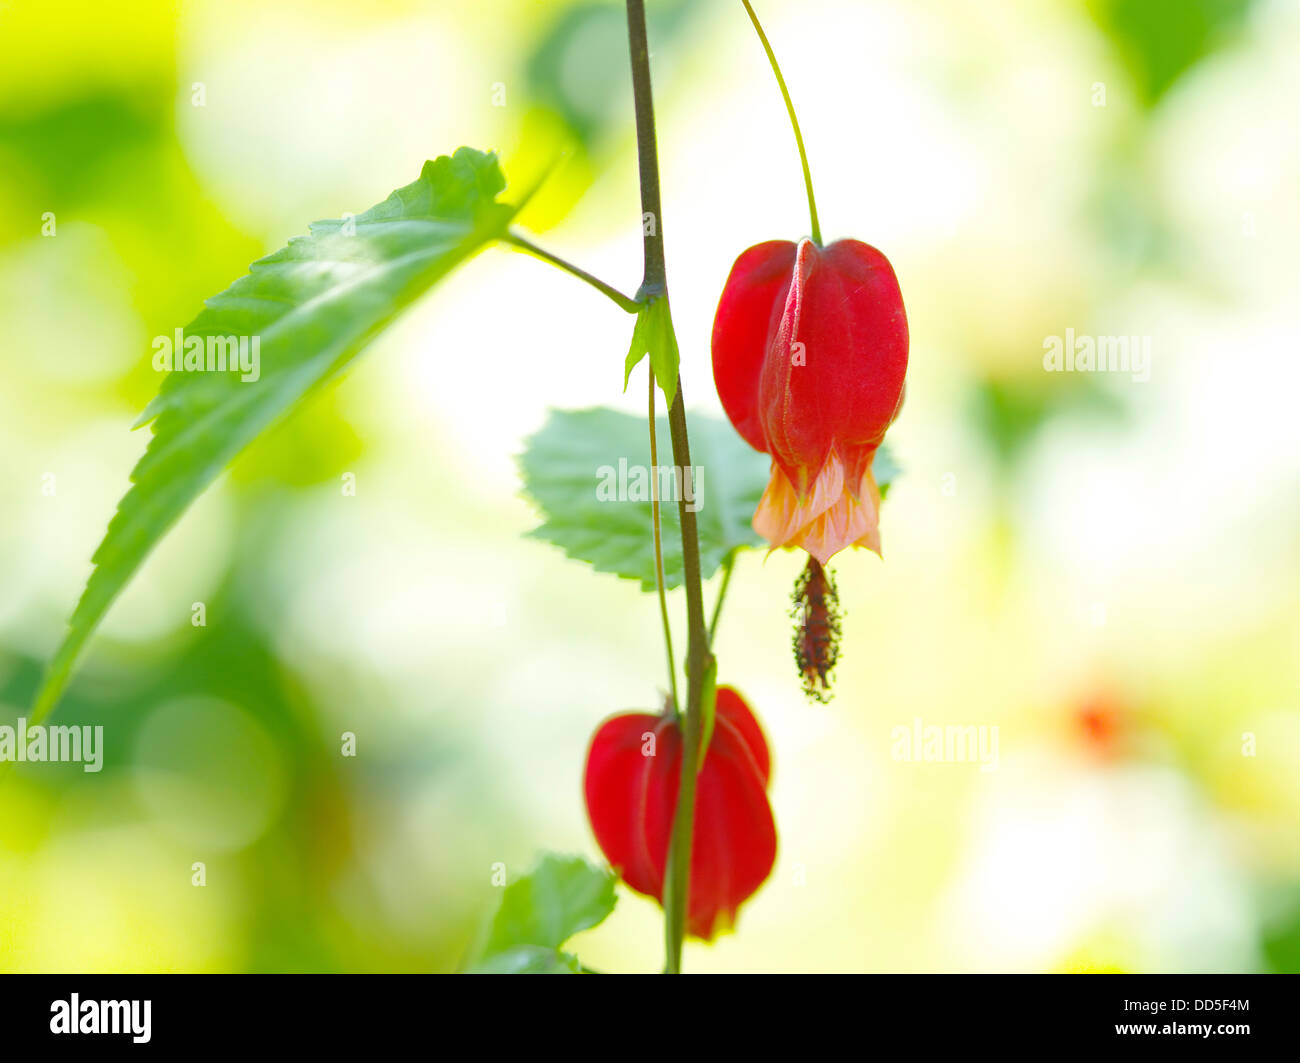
(633, 769)
(809, 358)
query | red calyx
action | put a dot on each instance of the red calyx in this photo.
(809, 357)
(632, 775)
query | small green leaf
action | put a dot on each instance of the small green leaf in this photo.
(528, 959)
(588, 471)
(654, 335)
(312, 306)
(559, 897)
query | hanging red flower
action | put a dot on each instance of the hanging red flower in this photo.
(809, 358)
(632, 774)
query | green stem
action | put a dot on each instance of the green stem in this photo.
(659, 553)
(516, 240)
(654, 283)
(728, 563)
(794, 122)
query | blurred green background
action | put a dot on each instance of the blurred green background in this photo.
(1105, 570)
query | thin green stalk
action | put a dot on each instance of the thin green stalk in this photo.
(659, 553)
(794, 122)
(728, 563)
(515, 239)
(653, 284)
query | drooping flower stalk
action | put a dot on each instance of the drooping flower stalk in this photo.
(794, 123)
(810, 349)
(659, 551)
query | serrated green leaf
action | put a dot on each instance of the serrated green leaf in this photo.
(313, 305)
(528, 959)
(559, 897)
(653, 334)
(580, 457)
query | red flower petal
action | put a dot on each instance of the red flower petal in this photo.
(735, 836)
(632, 798)
(617, 776)
(832, 377)
(731, 707)
(749, 309)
